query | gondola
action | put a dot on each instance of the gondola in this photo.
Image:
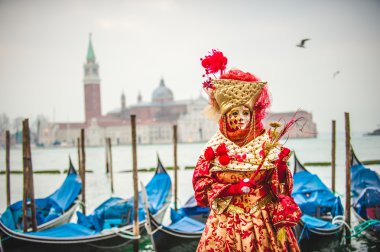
(54, 210)
(365, 189)
(109, 227)
(183, 233)
(321, 222)
(192, 210)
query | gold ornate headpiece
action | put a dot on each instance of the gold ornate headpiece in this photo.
(233, 89)
(233, 93)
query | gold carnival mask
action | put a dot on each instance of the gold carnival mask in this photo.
(238, 118)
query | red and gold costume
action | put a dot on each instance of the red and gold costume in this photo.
(258, 220)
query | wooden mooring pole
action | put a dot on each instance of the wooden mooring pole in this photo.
(110, 170)
(28, 202)
(107, 156)
(83, 169)
(333, 155)
(79, 157)
(348, 176)
(136, 230)
(7, 166)
(175, 167)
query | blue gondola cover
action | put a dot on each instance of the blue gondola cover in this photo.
(112, 212)
(314, 198)
(190, 208)
(117, 211)
(361, 178)
(187, 224)
(47, 208)
(67, 230)
(310, 193)
(365, 187)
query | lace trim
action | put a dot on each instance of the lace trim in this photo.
(251, 168)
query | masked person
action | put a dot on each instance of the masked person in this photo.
(242, 173)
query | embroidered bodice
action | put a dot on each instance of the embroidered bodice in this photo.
(251, 152)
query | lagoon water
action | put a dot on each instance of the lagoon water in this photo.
(98, 184)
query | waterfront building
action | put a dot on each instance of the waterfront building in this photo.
(154, 118)
(304, 128)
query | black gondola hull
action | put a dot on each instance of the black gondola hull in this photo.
(371, 230)
(16, 242)
(116, 239)
(319, 239)
(170, 240)
(18, 245)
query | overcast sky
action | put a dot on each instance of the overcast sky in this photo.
(43, 46)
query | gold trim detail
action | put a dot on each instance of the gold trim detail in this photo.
(254, 208)
(220, 204)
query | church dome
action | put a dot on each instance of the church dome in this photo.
(162, 93)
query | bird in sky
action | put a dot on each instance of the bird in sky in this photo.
(336, 73)
(302, 43)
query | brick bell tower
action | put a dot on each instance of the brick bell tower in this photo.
(91, 83)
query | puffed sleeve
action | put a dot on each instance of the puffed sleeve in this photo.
(286, 212)
(206, 188)
(281, 180)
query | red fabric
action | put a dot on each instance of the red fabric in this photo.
(209, 154)
(281, 163)
(206, 188)
(261, 106)
(235, 189)
(287, 213)
(237, 74)
(289, 182)
(282, 174)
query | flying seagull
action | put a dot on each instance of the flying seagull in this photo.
(302, 43)
(336, 73)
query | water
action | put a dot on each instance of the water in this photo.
(98, 184)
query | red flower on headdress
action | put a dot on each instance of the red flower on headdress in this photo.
(209, 154)
(207, 84)
(214, 62)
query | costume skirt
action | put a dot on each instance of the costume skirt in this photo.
(231, 231)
